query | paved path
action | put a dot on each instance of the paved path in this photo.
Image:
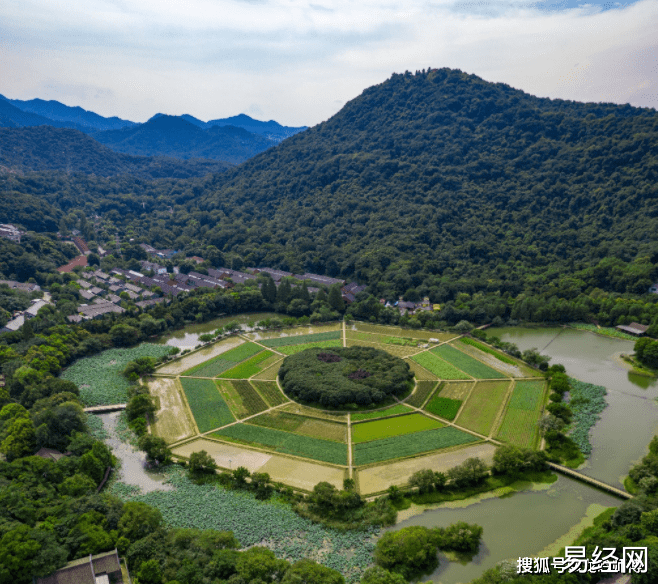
(102, 409)
(574, 474)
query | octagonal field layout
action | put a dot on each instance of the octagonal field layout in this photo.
(226, 399)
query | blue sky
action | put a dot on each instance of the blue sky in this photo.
(298, 62)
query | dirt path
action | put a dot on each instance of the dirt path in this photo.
(349, 445)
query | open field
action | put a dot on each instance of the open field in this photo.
(286, 442)
(466, 363)
(292, 349)
(209, 409)
(482, 407)
(313, 427)
(388, 427)
(520, 422)
(225, 455)
(270, 373)
(378, 478)
(302, 474)
(294, 331)
(409, 444)
(188, 361)
(421, 373)
(401, 332)
(270, 392)
(382, 339)
(397, 350)
(241, 397)
(399, 409)
(496, 359)
(224, 361)
(423, 390)
(247, 368)
(301, 410)
(456, 389)
(444, 407)
(275, 343)
(440, 368)
(172, 419)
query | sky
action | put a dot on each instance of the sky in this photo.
(298, 62)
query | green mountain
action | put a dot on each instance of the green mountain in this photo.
(46, 148)
(441, 181)
(177, 137)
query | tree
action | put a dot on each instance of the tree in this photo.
(260, 562)
(240, 475)
(156, 449)
(470, 472)
(77, 485)
(335, 298)
(149, 572)
(138, 520)
(19, 438)
(378, 575)
(268, 290)
(410, 551)
(202, 462)
(460, 537)
(423, 480)
(124, 335)
(309, 572)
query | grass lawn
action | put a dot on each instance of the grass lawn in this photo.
(409, 444)
(483, 405)
(399, 409)
(286, 443)
(442, 369)
(466, 363)
(397, 426)
(208, 408)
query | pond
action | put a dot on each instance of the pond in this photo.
(533, 523)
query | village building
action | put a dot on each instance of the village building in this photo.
(10, 232)
(99, 569)
(634, 328)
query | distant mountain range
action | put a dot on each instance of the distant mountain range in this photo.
(232, 140)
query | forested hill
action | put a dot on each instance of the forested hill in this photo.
(175, 136)
(439, 177)
(46, 148)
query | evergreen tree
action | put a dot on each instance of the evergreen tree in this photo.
(335, 298)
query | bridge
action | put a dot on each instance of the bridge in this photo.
(105, 409)
(574, 474)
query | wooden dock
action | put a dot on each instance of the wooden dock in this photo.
(574, 474)
(105, 409)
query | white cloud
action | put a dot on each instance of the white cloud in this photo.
(298, 61)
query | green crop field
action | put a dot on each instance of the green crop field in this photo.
(241, 353)
(402, 332)
(366, 431)
(399, 409)
(210, 368)
(487, 349)
(302, 339)
(382, 339)
(208, 408)
(409, 444)
(456, 389)
(423, 390)
(287, 443)
(247, 368)
(292, 349)
(312, 427)
(270, 391)
(397, 350)
(444, 407)
(439, 367)
(519, 427)
(468, 364)
(482, 407)
(527, 395)
(241, 397)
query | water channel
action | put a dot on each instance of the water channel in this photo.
(533, 523)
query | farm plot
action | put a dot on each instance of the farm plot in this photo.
(301, 410)
(172, 420)
(382, 339)
(198, 357)
(247, 368)
(313, 427)
(286, 443)
(302, 339)
(440, 368)
(99, 377)
(520, 422)
(456, 389)
(292, 349)
(482, 407)
(397, 350)
(270, 392)
(293, 332)
(444, 407)
(270, 373)
(400, 332)
(225, 361)
(395, 410)
(409, 445)
(379, 429)
(208, 408)
(420, 373)
(241, 397)
(423, 390)
(496, 359)
(471, 366)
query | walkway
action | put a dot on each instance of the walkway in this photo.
(103, 409)
(574, 474)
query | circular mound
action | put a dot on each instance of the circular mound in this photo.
(340, 377)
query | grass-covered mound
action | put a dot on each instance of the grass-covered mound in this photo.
(339, 377)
